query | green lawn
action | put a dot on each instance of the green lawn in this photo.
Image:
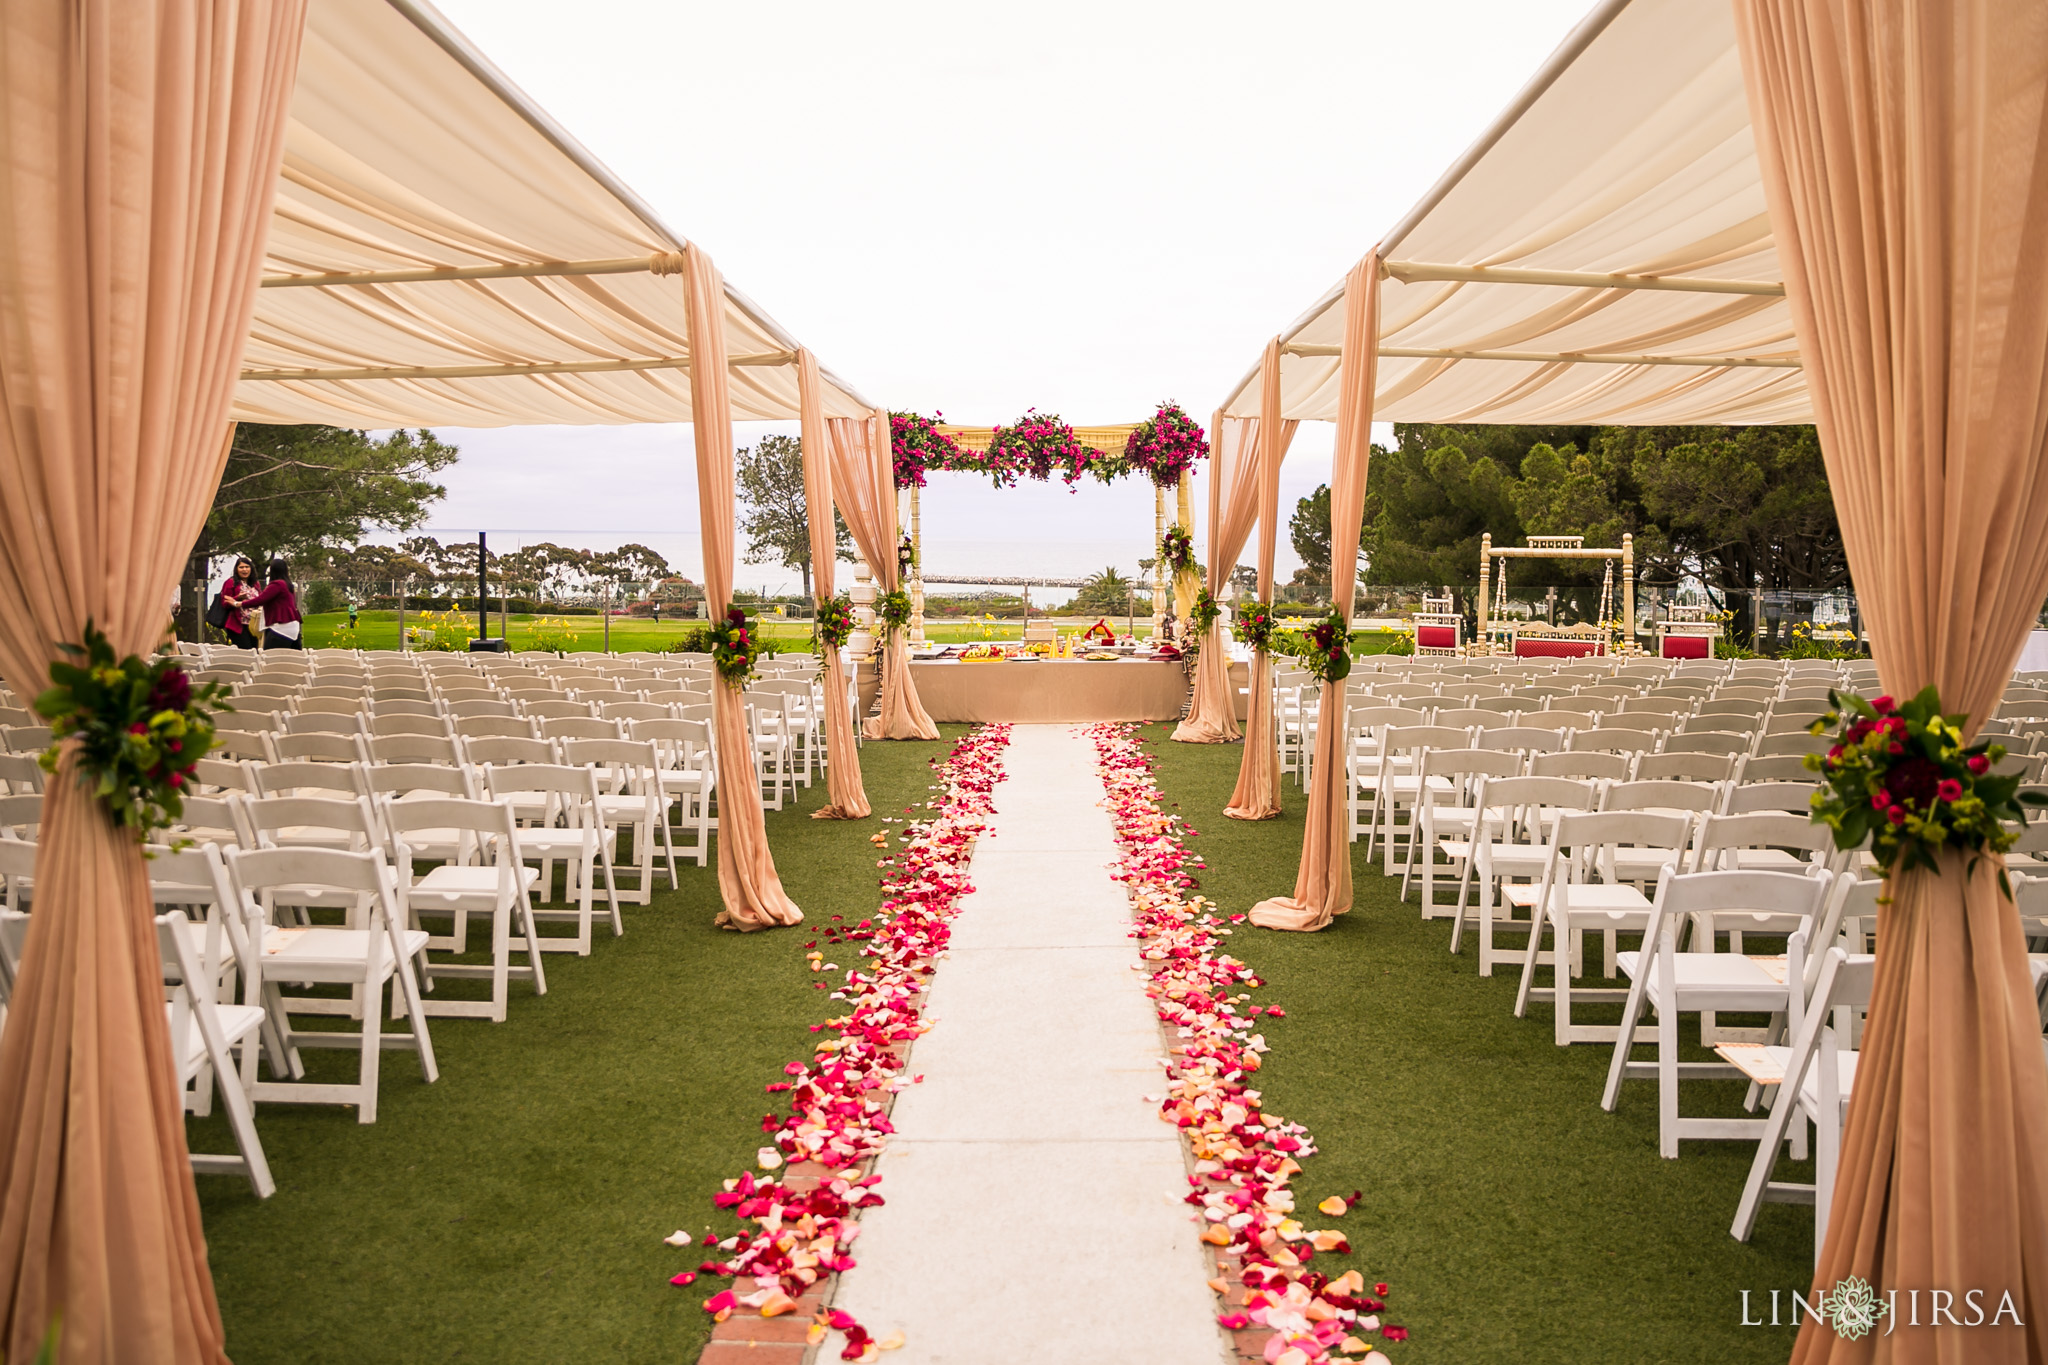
(379, 630)
(1514, 1219)
(514, 1210)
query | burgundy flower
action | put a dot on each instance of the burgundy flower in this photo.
(172, 691)
(1913, 783)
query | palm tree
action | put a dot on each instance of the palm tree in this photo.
(1105, 593)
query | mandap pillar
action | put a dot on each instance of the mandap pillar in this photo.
(1158, 563)
(1628, 591)
(916, 570)
(1484, 643)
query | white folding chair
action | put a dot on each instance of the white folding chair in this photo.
(569, 830)
(202, 1032)
(689, 778)
(1570, 904)
(1815, 1077)
(1449, 819)
(486, 878)
(630, 796)
(1399, 783)
(1674, 983)
(370, 948)
(1512, 840)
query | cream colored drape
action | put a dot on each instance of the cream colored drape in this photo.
(747, 880)
(139, 153)
(846, 799)
(1905, 158)
(1233, 508)
(1322, 884)
(1257, 795)
(864, 478)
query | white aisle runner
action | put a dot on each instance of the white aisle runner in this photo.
(1034, 1198)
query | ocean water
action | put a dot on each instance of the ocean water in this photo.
(950, 561)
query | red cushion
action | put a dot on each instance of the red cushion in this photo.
(1528, 648)
(1687, 647)
(1436, 637)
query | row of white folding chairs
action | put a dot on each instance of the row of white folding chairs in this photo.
(634, 786)
(786, 725)
(1385, 744)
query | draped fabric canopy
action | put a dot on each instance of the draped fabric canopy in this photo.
(545, 297)
(1602, 254)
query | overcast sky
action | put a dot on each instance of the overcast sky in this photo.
(1086, 208)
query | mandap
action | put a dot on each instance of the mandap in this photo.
(1820, 211)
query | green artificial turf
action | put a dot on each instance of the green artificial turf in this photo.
(1513, 1219)
(514, 1210)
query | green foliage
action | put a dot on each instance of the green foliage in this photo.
(769, 478)
(299, 491)
(1430, 498)
(374, 570)
(1308, 530)
(1724, 503)
(321, 597)
(551, 633)
(1103, 594)
(139, 727)
(445, 632)
(1742, 500)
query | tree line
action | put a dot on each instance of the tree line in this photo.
(1721, 505)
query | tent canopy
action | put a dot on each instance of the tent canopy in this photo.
(1601, 255)
(442, 252)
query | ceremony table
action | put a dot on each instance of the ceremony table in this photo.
(1049, 690)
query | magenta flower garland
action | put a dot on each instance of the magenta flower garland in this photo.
(1041, 445)
(1244, 1157)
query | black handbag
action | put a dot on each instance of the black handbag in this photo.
(217, 614)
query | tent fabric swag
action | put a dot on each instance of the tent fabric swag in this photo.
(1322, 885)
(1257, 794)
(846, 798)
(139, 154)
(1905, 155)
(747, 880)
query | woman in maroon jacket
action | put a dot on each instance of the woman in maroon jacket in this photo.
(234, 597)
(281, 627)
